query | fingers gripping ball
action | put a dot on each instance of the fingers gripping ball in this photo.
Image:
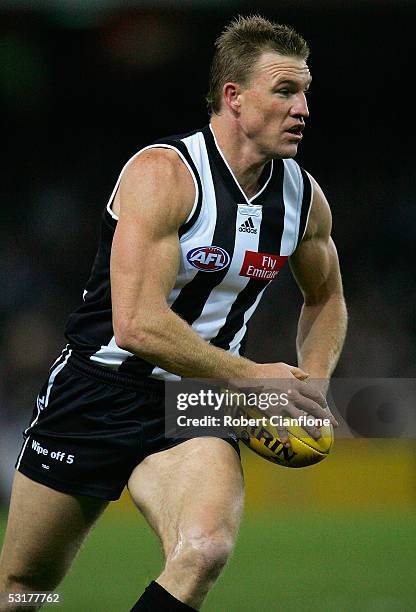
(262, 437)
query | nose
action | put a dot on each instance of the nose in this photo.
(300, 106)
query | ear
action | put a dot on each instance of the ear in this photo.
(231, 93)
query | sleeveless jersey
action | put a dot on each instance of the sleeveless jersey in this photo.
(231, 248)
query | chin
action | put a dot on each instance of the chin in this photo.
(286, 152)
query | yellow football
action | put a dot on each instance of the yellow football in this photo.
(262, 437)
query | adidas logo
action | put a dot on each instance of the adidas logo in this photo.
(248, 226)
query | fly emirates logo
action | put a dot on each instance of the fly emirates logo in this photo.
(262, 266)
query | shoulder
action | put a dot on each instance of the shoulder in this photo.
(156, 176)
(157, 163)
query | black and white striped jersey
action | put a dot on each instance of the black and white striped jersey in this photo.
(231, 248)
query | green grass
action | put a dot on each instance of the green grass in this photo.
(299, 562)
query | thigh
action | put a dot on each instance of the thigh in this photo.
(45, 530)
(193, 490)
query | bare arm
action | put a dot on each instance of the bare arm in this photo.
(155, 197)
(323, 321)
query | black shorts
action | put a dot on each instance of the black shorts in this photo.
(91, 427)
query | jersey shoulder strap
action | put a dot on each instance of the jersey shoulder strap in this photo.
(297, 195)
(176, 143)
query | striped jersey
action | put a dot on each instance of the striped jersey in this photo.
(231, 248)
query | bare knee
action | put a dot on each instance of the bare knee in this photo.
(30, 564)
(44, 532)
(30, 579)
(203, 556)
(209, 556)
(29, 575)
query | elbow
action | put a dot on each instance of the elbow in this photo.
(130, 337)
(138, 332)
(322, 295)
(124, 342)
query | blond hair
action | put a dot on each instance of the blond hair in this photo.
(239, 47)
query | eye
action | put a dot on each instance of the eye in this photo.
(283, 92)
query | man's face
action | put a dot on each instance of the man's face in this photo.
(273, 106)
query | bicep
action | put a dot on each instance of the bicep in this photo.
(315, 264)
(144, 264)
(316, 270)
(155, 198)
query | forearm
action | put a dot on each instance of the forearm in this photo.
(321, 333)
(169, 342)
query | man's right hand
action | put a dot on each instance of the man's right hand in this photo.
(304, 396)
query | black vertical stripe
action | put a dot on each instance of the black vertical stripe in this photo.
(220, 172)
(181, 146)
(271, 230)
(235, 318)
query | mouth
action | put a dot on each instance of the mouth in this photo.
(296, 131)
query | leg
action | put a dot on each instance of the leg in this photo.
(44, 532)
(192, 496)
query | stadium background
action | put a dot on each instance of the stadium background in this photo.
(83, 85)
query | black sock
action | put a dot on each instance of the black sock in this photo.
(157, 599)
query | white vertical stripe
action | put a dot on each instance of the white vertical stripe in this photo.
(41, 405)
(292, 197)
(22, 453)
(208, 215)
(222, 297)
(59, 358)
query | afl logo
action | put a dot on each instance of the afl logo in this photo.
(208, 258)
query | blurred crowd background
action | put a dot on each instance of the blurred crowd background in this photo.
(83, 86)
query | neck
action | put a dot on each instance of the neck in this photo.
(246, 164)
